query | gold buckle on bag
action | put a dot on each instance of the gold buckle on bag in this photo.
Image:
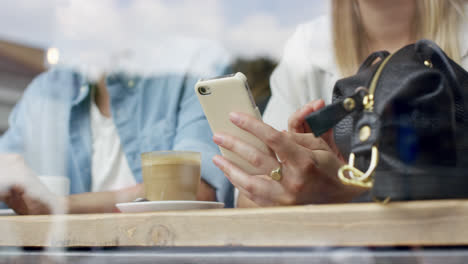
(357, 177)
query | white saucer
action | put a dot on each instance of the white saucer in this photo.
(153, 206)
(4, 212)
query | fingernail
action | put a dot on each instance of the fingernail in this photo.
(218, 139)
(309, 107)
(321, 102)
(312, 103)
(234, 117)
(217, 160)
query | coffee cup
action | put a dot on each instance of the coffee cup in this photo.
(58, 185)
(171, 175)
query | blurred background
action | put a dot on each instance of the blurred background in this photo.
(103, 35)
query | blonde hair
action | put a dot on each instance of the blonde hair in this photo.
(437, 20)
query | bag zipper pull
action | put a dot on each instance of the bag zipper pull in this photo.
(326, 118)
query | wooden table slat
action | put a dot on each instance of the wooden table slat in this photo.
(422, 223)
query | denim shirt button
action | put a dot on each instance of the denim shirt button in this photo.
(131, 84)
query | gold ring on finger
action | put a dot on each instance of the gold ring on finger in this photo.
(276, 174)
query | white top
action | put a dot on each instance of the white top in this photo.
(308, 70)
(109, 167)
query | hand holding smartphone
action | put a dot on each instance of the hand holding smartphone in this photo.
(221, 96)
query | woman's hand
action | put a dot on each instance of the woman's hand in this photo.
(308, 166)
(22, 190)
(25, 204)
(297, 123)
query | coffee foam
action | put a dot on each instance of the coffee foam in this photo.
(189, 159)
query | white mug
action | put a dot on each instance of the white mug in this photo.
(58, 185)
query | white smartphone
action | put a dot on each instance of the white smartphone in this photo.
(221, 96)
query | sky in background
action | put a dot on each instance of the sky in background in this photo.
(99, 31)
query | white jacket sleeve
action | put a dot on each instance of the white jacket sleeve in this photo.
(302, 74)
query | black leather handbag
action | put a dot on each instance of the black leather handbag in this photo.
(403, 123)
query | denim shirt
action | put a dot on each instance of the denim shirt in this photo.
(50, 126)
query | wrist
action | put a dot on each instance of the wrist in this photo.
(344, 192)
(347, 193)
(62, 205)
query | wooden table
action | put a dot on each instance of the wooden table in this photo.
(423, 223)
(240, 256)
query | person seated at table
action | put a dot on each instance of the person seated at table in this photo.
(94, 132)
(314, 59)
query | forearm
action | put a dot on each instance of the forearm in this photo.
(244, 202)
(102, 202)
(342, 194)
